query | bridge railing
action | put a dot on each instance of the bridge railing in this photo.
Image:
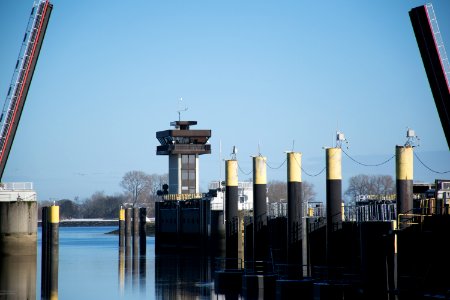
(16, 186)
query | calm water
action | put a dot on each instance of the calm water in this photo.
(89, 268)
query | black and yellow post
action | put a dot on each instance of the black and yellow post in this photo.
(121, 227)
(53, 251)
(260, 231)
(294, 207)
(231, 213)
(404, 174)
(334, 201)
(44, 253)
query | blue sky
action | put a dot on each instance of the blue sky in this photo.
(259, 74)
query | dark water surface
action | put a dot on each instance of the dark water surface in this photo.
(90, 268)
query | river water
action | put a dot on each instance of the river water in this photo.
(90, 268)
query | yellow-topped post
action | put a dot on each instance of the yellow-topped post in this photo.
(333, 200)
(53, 252)
(260, 233)
(294, 206)
(404, 178)
(121, 227)
(231, 213)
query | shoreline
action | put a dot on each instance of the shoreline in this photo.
(150, 226)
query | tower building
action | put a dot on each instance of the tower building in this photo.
(183, 146)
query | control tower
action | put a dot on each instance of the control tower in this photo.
(183, 146)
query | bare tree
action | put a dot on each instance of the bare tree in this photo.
(387, 185)
(157, 181)
(137, 184)
(308, 193)
(277, 190)
(358, 185)
(369, 185)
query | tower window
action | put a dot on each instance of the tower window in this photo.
(188, 179)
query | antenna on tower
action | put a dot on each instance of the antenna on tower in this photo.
(412, 139)
(340, 139)
(180, 109)
(233, 154)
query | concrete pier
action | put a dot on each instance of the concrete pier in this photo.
(18, 228)
(18, 249)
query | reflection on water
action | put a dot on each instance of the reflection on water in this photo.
(143, 275)
(92, 267)
(18, 277)
(183, 277)
(132, 273)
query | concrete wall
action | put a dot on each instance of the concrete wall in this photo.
(18, 228)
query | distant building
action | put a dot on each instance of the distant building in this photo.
(245, 192)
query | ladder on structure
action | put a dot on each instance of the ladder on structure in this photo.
(439, 43)
(22, 76)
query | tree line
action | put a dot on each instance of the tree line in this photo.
(363, 184)
(139, 188)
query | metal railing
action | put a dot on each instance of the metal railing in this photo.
(439, 43)
(16, 186)
(184, 196)
(8, 196)
(184, 148)
(277, 209)
(370, 212)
